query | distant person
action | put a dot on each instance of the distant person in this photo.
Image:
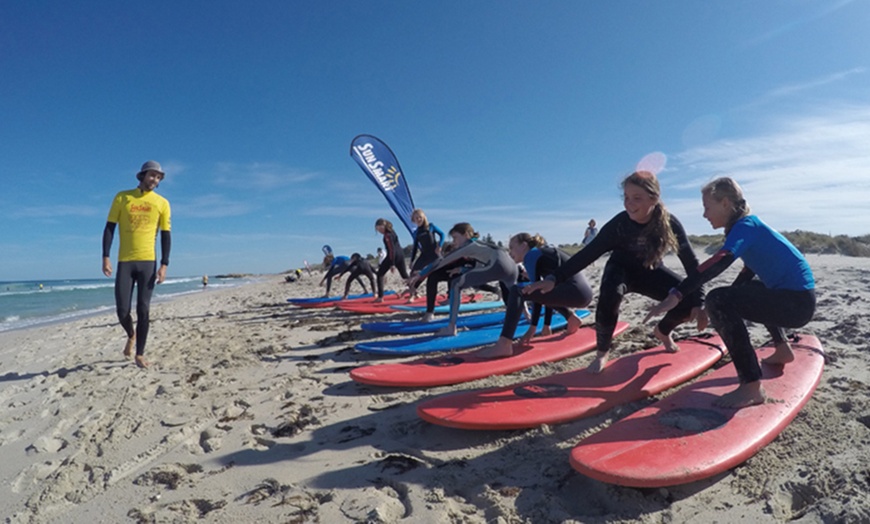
(140, 213)
(395, 256)
(358, 268)
(783, 295)
(590, 233)
(335, 266)
(381, 256)
(637, 238)
(204, 281)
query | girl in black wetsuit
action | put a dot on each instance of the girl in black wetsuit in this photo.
(637, 239)
(358, 268)
(428, 239)
(540, 261)
(395, 257)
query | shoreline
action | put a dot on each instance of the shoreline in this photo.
(247, 414)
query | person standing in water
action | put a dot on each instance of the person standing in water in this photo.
(138, 213)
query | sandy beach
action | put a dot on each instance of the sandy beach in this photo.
(247, 414)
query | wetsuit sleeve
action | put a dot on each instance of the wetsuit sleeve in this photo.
(454, 255)
(108, 234)
(710, 269)
(437, 232)
(602, 243)
(745, 276)
(165, 247)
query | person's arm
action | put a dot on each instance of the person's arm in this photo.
(165, 248)
(710, 269)
(108, 235)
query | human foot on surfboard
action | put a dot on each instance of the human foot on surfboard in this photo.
(446, 331)
(504, 347)
(666, 340)
(597, 365)
(749, 394)
(782, 355)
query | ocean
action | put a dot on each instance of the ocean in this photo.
(34, 303)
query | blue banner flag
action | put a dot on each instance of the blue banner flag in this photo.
(382, 167)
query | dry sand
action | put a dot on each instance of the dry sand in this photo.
(248, 415)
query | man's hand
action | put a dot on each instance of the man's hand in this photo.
(161, 274)
(107, 266)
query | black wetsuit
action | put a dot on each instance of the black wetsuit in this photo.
(783, 295)
(625, 273)
(359, 268)
(425, 240)
(395, 258)
(540, 263)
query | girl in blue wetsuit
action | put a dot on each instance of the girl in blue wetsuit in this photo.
(783, 295)
(395, 256)
(335, 266)
(637, 239)
(540, 261)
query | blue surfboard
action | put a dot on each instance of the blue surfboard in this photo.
(317, 300)
(462, 340)
(463, 308)
(416, 327)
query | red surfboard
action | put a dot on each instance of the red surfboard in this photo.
(461, 367)
(371, 307)
(575, 394)
(684, 437)
(391, 298)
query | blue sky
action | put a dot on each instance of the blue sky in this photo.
(514, 116)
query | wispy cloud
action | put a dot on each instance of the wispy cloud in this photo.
(825, 9)
(815, 83)
(260, 176)
(807, 172)
(211, 206)
(58, 211)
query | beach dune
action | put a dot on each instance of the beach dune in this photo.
(248, 415)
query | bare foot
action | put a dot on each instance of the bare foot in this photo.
(598, 364)
(128, 348)
(446, 331)
(140, 361)
(428, 317)
(574, 324)
(502, 348)
(783, 355)
(666, 340)
(745, 395)
(378, 300)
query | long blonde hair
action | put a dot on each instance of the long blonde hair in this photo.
(528, 239)
(726, 187)
(659, 236)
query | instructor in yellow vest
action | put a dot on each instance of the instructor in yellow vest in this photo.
(138, 213)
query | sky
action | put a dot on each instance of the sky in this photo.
(511, 115)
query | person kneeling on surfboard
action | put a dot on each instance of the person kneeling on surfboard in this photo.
(638, 238)
(783, 295)
(540, 260)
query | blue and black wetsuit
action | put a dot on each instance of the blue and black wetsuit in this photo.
(425, 240)
(783, 295)
(625, 272)
(338, 266)
(395, 258)
(541, 262)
